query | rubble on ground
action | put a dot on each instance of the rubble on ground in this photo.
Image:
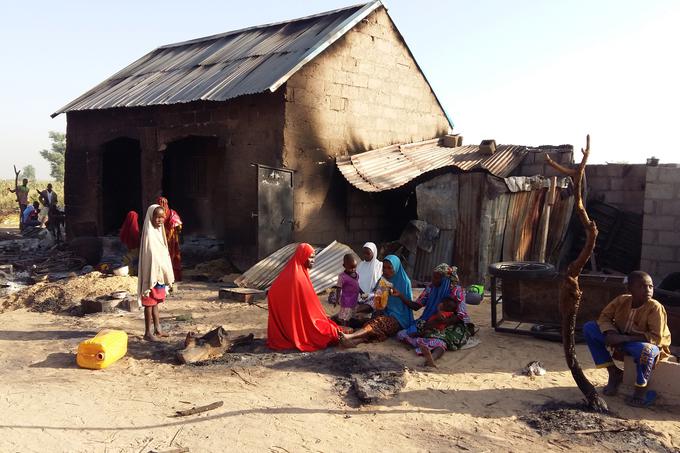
(591, 428)
(64, 295)
(210, 271)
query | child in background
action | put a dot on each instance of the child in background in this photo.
(155, 273)
(447, 329)
(370, 272)
(347, 289)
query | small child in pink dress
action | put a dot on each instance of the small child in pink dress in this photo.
(347, 289)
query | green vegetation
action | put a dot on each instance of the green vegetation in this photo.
(55, 156)
(28, 172)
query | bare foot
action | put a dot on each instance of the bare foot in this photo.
(345, 343)
(150, 338)
(615, 379)
(161, 334)
(429, 361)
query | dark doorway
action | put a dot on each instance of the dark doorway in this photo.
(121, 182)
(191, 179)
(274, 209)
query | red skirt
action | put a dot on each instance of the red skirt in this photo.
(155, 297)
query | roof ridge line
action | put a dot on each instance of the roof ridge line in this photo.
(256, 27)
(333, 36)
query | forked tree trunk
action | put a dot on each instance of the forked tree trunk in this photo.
(570, 292)
(16, 194)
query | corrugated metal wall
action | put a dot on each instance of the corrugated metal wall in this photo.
(471, 198)
(492, 224)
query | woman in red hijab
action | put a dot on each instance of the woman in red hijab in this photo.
(296, 318)
(173, 227)
(129, 232)
(129, 236)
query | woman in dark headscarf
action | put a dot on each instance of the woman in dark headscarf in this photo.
(444, 323)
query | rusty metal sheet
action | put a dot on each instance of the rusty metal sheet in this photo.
(324, 274)
(492, 224)
(560, 219)
(437, 201)
(471, 189)
(393, 166)
(524, 213)
(442, 252)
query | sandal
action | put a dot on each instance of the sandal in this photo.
(648, 401)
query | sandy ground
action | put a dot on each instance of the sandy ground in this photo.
(472, 402)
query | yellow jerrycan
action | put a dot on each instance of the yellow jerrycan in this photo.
(107, 347)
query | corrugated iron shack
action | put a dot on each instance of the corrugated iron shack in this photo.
(240, 131)
(481, 207)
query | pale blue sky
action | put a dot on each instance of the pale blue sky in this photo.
(523, 72)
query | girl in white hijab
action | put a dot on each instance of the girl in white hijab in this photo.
(155, 270)
(370, 271)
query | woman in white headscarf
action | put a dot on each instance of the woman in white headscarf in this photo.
(155, 273)
(370, 271)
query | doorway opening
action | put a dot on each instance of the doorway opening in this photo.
(191, 168)
(121, 182)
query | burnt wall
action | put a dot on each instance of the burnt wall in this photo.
(380, 216)
(231, 135)
(363, 92)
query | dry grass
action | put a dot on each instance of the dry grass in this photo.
(8, 202)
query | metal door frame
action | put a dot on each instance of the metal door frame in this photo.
(257, 190)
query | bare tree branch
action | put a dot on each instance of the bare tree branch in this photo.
(570, 292)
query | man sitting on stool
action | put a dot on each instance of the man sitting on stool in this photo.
(632, 324)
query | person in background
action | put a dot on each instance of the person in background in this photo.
(173, 229)
(347, 289)
(22, 197)
(297, 319)
(49, 200)
(56, 218)
(370, 271)
(444, 324)
(48, 197)
(398, 314)
(155, 275)
(632, 324)
(445, 330)
(30, 215)
(129, 236)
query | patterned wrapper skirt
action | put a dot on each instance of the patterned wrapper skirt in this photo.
(382, 327)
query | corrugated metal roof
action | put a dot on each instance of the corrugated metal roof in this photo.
(224, 66)
(393, 166)
(324, 274)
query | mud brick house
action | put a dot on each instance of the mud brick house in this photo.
(240, 130)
